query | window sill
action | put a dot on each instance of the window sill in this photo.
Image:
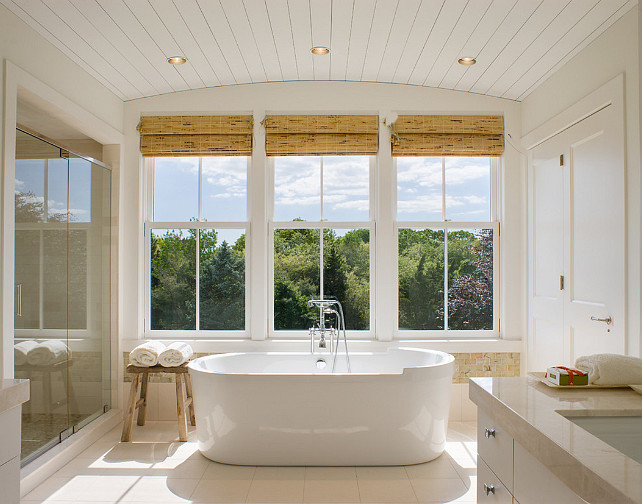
(303, 345)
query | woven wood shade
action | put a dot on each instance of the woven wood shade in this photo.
(168, 136)
(321, 135)
(445, 135)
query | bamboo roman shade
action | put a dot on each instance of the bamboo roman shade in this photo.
(162, 136)
(321, 135)
(447, 135)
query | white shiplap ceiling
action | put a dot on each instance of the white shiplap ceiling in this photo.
(125, 43)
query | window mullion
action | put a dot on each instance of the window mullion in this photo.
(443, 189)
(200, 189)
(445, 279)
(198, 245)
(321, 290)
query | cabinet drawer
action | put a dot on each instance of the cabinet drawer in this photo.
(495, 446)
(535, 483)
(489, 488)
(10, 429)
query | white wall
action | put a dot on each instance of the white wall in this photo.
(30, 62)
(613, 53)
(387, 100)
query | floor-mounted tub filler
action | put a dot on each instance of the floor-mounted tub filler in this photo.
(293, 409)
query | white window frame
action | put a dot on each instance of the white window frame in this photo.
(447, 225)
(200, 224)
(321, 225)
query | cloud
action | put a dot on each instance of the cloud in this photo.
(184, 164)
(361, 205)
(346, 182)
(457, 201)
(420, 204)
(426, 172)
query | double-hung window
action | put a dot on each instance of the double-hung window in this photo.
(447, 246)
(196, 229)
(321, 235)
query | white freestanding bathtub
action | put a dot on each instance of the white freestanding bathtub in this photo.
(287, 409)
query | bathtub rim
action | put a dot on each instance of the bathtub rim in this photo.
(449, 359)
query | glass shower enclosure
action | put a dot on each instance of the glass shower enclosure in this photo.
(62, 290)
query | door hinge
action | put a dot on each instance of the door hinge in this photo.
(561, 159)
(561, 282)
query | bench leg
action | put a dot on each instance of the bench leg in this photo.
(69, 391)
(128, 422)
(46, 392)
(180, 406)
(143, 397)
(188, 391)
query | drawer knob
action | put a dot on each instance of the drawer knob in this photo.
(489, 432)
(489, 489)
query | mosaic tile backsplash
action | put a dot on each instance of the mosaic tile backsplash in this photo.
(467, 365)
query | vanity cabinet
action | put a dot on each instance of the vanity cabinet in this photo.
(508, 474)
(12, 394)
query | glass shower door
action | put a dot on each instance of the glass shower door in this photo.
(88, 290)
(62, 275)
(41, 250)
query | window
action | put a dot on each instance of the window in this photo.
(196, 230)
(446, 244)
(321, 231)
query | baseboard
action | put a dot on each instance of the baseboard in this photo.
(48, 463)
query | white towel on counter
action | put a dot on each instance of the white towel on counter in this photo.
(175, 354)
(48, 353)
(21, 350)
(611, 369)
(146, 355)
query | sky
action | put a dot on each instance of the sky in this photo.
(419, 189)
(297, 190)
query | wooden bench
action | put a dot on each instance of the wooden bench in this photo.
(184, 400)
(49, 404)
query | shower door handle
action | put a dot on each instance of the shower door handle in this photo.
(19, 300)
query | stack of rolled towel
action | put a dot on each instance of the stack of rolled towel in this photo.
(152, 353)
(611, 369)
(40, 353)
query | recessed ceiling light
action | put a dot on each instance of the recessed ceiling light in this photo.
(467, 61)
(176, 60)
(319, 50)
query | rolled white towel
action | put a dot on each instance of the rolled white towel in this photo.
(611, 369)
(175, 354)
(146, 355)
(21, 350)
(48, 352)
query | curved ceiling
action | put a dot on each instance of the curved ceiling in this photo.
(125, 43)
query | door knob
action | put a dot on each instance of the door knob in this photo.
(608, 320)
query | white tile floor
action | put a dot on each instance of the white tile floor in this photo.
(155, 468)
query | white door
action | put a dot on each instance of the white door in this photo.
(577, 228)
(595, 237)
(546, 220)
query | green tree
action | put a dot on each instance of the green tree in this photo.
(222, 286)
(421, 279)
(470, 295)
(296, 277)
(173, 280)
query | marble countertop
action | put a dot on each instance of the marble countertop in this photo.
(529, 411)
(13, 393)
